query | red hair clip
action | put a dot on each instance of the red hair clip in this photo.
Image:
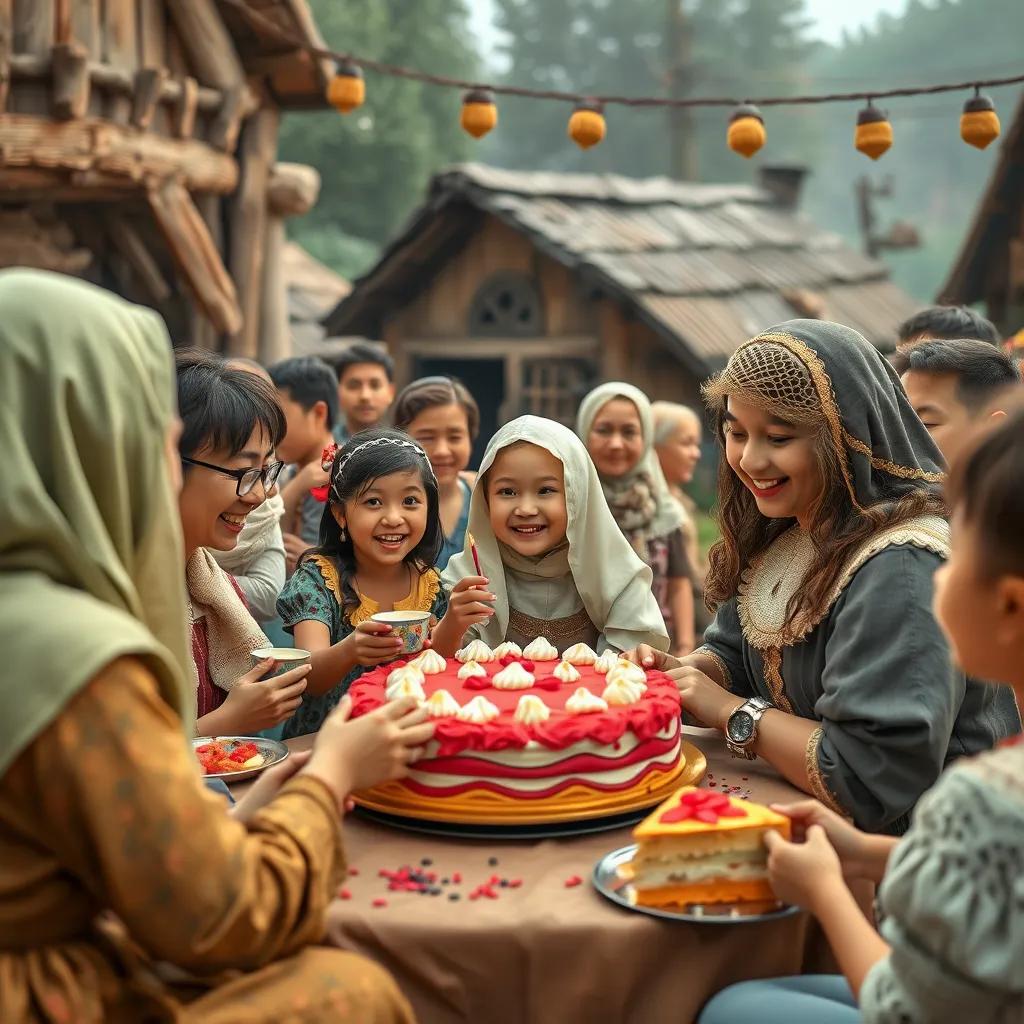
(327, 457)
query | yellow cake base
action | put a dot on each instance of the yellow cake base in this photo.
(576, 803)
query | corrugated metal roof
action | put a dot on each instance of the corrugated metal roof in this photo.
(706, 265)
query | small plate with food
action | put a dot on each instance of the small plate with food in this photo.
(699, 857)
(236, 758)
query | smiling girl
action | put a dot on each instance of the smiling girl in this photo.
(550, 551)
(231, 425)
(824, 657)
(379, 538)
(441, 416)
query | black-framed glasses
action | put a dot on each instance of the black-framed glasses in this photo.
(245, 479)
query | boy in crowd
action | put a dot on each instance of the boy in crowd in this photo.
(366, 389)
(951, 383)
(953, 323)
(308, 393)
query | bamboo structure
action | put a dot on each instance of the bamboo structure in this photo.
(138, 144)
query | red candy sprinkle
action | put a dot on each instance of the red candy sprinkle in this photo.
(380, 902)
(528, 665)
(457, 878)
(572, 881)
(345, 894)
(353, 872)
(514, 883)
(701, 805)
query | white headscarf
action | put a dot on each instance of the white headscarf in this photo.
(612, 581)
(640, 500)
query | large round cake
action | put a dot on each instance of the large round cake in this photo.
(534, 736)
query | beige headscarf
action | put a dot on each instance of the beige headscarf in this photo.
(90, 543)
(612, 581)
(639, 500)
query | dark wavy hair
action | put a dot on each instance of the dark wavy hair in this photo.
(354, 478)
(838, 527)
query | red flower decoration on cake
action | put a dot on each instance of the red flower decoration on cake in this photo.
(702, 805)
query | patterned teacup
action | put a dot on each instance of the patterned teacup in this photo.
(411, 627)
(287, 658)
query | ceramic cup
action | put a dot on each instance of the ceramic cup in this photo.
(287, 658)
(411, 627)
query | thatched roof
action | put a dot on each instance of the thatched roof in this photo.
(705, 265)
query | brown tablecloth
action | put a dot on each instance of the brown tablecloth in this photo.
(547, 952)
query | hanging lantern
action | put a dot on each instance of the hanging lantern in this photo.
(873, 134)
(346, 90)
(979, 123)
(746, 133)
(586, 126)
(479, 114)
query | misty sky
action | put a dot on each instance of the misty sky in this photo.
(830, 16)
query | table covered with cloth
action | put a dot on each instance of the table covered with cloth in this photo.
(549, 947)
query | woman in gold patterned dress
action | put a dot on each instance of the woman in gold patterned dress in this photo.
(127, 892)
(824, 657)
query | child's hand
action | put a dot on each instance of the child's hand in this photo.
(353, 754)
(373, 643)
(803, 873)
(255, 703)
(649, 657)
(469, 603)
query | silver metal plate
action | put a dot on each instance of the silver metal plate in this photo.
(273, 752)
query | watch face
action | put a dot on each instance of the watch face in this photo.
(741, 727)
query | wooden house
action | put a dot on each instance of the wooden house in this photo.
(137, 148)
(532, 287)
(989, 268)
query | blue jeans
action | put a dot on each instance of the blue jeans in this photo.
(808, 999)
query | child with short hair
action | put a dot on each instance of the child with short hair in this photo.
(380, 532)
(550, 550)
(952, 931)
(366, 388)
(309, 399)
(951, 383)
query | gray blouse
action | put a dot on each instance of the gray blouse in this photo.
(874, 670)
(953, 903)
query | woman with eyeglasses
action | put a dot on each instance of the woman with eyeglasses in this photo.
(231, 426)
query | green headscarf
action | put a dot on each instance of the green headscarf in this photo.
(90, 543)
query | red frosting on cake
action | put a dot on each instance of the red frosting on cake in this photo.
(702, 805)
(655, 711)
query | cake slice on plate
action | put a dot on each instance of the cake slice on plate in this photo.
(702, 846)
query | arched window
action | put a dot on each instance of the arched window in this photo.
(506, 305)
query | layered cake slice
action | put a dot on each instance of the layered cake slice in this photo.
(701, 846)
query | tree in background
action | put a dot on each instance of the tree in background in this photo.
(376, 161)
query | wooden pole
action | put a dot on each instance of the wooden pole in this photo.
(207, 43)
(679, 46)
(247, 226)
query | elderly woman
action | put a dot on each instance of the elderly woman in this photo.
(616, 425)
(119, 868)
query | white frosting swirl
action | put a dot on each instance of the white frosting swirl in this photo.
(540, 649)
(579, 654)
(508, 647)
(627, 670)
(476, 651)
(606, 662)
(566, 672)
(478, 710)
(409, 684)
(531, 709)
(513, 677)
(430, 662)
(583, 702)
(406, 671)
(621, 691)
(441, 704)
(472, 670)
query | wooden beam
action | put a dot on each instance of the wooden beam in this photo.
(70, 80)
(201, 331)
(238, 103)
(148, 85)
(196, 255)
(113, 151)
(6, 47)
(293, 189)
(135, 251)
(257, 150)
(275, 335)
(120, 50)
(207, 44)
(185, 114)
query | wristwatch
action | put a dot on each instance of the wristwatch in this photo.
(741, 729)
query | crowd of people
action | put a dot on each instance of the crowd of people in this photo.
(166, 514)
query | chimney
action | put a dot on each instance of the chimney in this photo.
(783, 182)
